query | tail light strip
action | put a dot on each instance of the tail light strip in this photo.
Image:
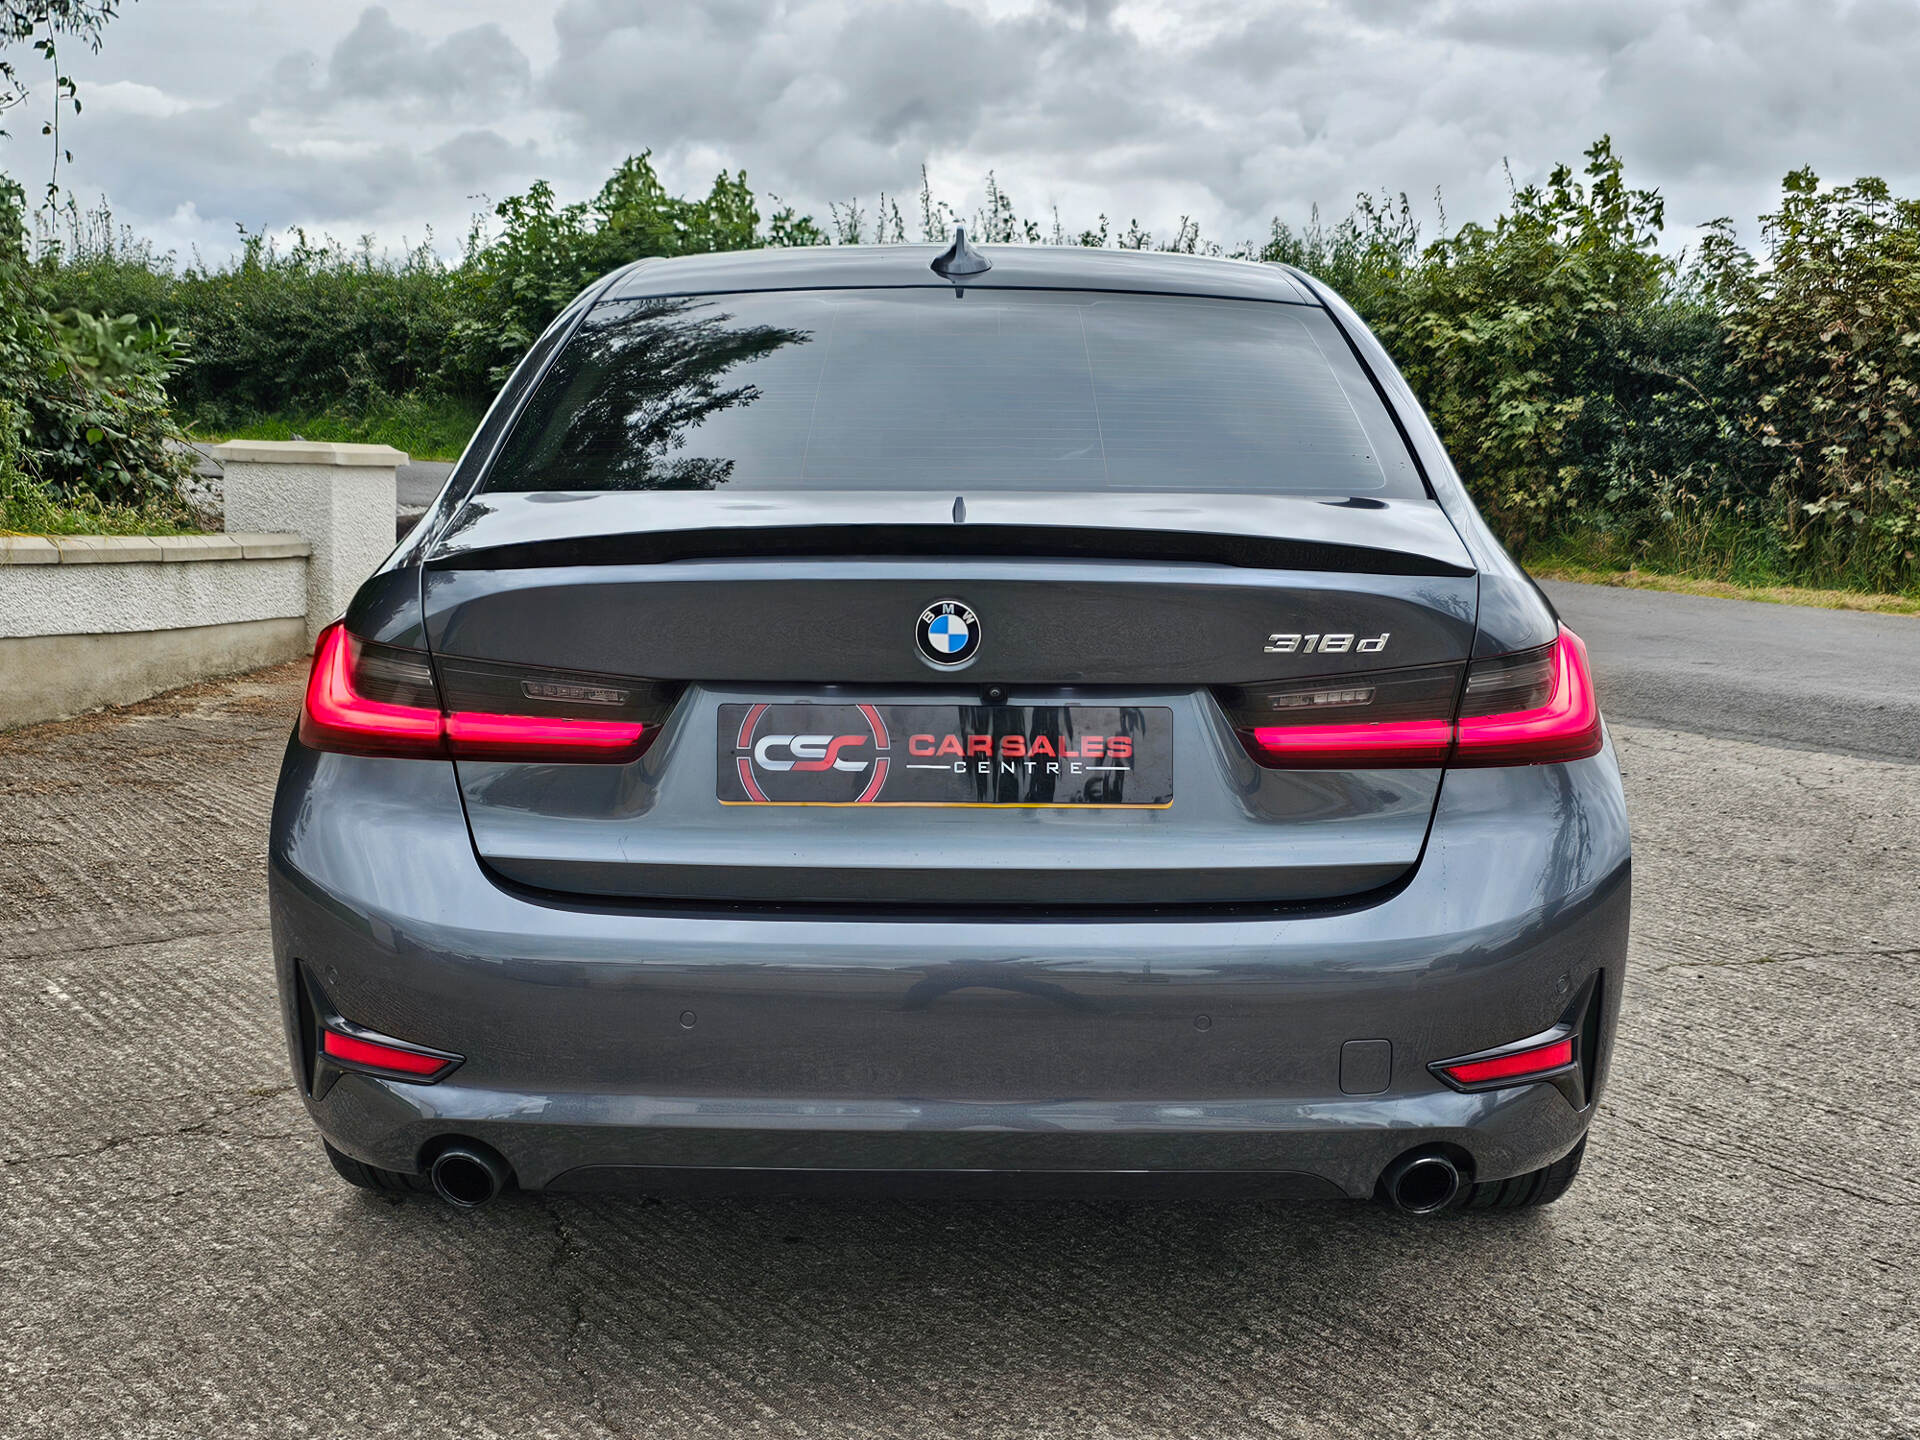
(1412, 743)
(338, 716)
(1565, 727)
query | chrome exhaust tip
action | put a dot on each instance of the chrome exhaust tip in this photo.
(1422, 1182)
(467, 1175)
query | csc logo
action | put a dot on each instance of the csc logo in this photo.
(807, 752)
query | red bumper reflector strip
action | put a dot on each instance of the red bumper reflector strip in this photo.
(381, 1057)
(1536, 1061)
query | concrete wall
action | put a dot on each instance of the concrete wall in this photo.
(87, 621)
(341, 498)
(49, 677)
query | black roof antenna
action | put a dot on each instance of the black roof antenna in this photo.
(960, 259)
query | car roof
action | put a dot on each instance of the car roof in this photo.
(1015, 267)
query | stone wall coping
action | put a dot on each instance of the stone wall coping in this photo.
(147, 549)
(306, 452)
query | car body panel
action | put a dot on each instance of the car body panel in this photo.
(1036, 267)
(948, 1043)
(1237, 833)
(1170, 1022)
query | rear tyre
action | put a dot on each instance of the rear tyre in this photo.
(1528, 1191)
(372, 1177)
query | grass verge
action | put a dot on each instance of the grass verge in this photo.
(26, 512)
(1634, 579)
(426, 427)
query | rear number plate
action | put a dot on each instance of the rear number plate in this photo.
(945, 755)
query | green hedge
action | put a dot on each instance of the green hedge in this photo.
(1724, 410)
(87, 438)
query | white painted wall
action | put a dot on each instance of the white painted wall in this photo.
(87, 621)
(341, 498)
(98, 599)
(105, 620)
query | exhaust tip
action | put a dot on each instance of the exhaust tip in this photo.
(1422, 1182)
(467, 1175)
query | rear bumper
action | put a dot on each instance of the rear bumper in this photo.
(1308, 1148)
(607, 1046)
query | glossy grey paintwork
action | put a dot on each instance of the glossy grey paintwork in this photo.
(614, 1034)
(1057, 622)
(1236, 833)
(504, 519)
(930, 1040)
(1015, 267)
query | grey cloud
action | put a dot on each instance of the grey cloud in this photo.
(851, 98)
(1228, 110)
(232, 171)
(472, 68)
(477, 157)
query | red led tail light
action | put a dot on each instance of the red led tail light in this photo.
(1565, 727)
(346, 712)
(1533, 708)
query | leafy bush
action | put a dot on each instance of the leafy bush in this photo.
(314, 326)
(1827, 338)
(1520, 338)
(510, 288)
(84, 421)
(1600, 397)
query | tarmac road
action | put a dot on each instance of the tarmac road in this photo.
(418, 481)
(1741, 1257)
(1825, 679)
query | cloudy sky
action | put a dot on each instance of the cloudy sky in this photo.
(350, 118)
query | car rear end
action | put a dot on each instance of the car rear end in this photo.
(951, 734)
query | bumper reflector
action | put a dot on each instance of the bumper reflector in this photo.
(371, 1055)
(1515, 1066)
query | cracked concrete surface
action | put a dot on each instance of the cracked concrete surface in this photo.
(1742, 1256)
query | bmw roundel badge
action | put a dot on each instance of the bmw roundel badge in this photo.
(949, 634)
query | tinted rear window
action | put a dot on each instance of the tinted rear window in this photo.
(918, 389)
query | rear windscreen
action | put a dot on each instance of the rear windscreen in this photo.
(933, 389)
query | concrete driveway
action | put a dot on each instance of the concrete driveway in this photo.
(1741, 1257)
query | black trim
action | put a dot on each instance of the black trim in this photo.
(587, 903)
(1574, 1079)
(1255, 552)
(317, 1015)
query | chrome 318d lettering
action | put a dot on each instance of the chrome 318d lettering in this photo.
(1329, 644)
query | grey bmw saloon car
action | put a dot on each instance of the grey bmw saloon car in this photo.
(981, 718)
